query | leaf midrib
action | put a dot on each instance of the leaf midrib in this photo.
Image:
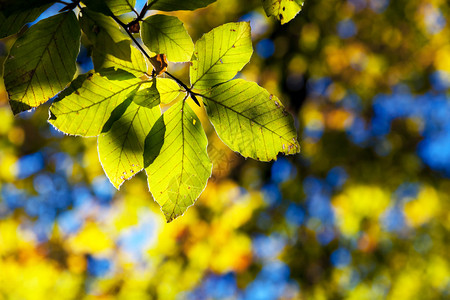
(43, 52)
(168, 36)
(182, 159)
(215, 63)
(242, 115)
(101, 101)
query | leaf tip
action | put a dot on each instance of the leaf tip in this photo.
(51, 116)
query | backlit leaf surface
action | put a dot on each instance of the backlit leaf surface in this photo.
(168, 89)
(12, 24)
(172, 5)
(166, 35)
(159, 90)
(105, 34)
(119, 7)
(176, 160)
(85, 106)
(251, 121)
(283, 10)
(220, 54)
(121, 148)
(42, 61)
(106, 63)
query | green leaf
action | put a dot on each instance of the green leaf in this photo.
(167, 35)
(172, 5)
(85, 106)
(105, 34)
(42, 61)
(12, 24)
(105, 63)
(168, 89)
(251, 121)
(10, 7)
(220, 54)
(119, 7)
(111, 7)
(176, 160)
(159, 90)
(283, 10)
(147, 95)
(121, 148)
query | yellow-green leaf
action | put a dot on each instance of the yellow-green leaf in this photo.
(111, 7)
(168, 89)
(105, 34)
(85, 106)
(220, 54)
(176, 160)
(167, 35)
(159, 90)
(121, 148)
(119, 7)
(109, 64)
(13, 23)
(283, 10)
(172, 5)
(42, 61)
(251, 121)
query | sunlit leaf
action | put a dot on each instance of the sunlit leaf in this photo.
(119, 7)
(147, 95)
(85, 106)
(220, 54)
(159, 90)
(176, 160)
(42, 61)
(105, 34)
(283, 10)
(12, 24)
(251, 121)
(111, 7)
(168, 89)
(105, 63)
(172, 5)
(167, 35)
(121, 148)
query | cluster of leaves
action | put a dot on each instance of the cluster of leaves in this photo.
(119, 101)
(330, 225)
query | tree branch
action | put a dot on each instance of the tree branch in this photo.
(191, 93)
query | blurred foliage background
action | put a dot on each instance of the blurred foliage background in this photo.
(361, 213)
